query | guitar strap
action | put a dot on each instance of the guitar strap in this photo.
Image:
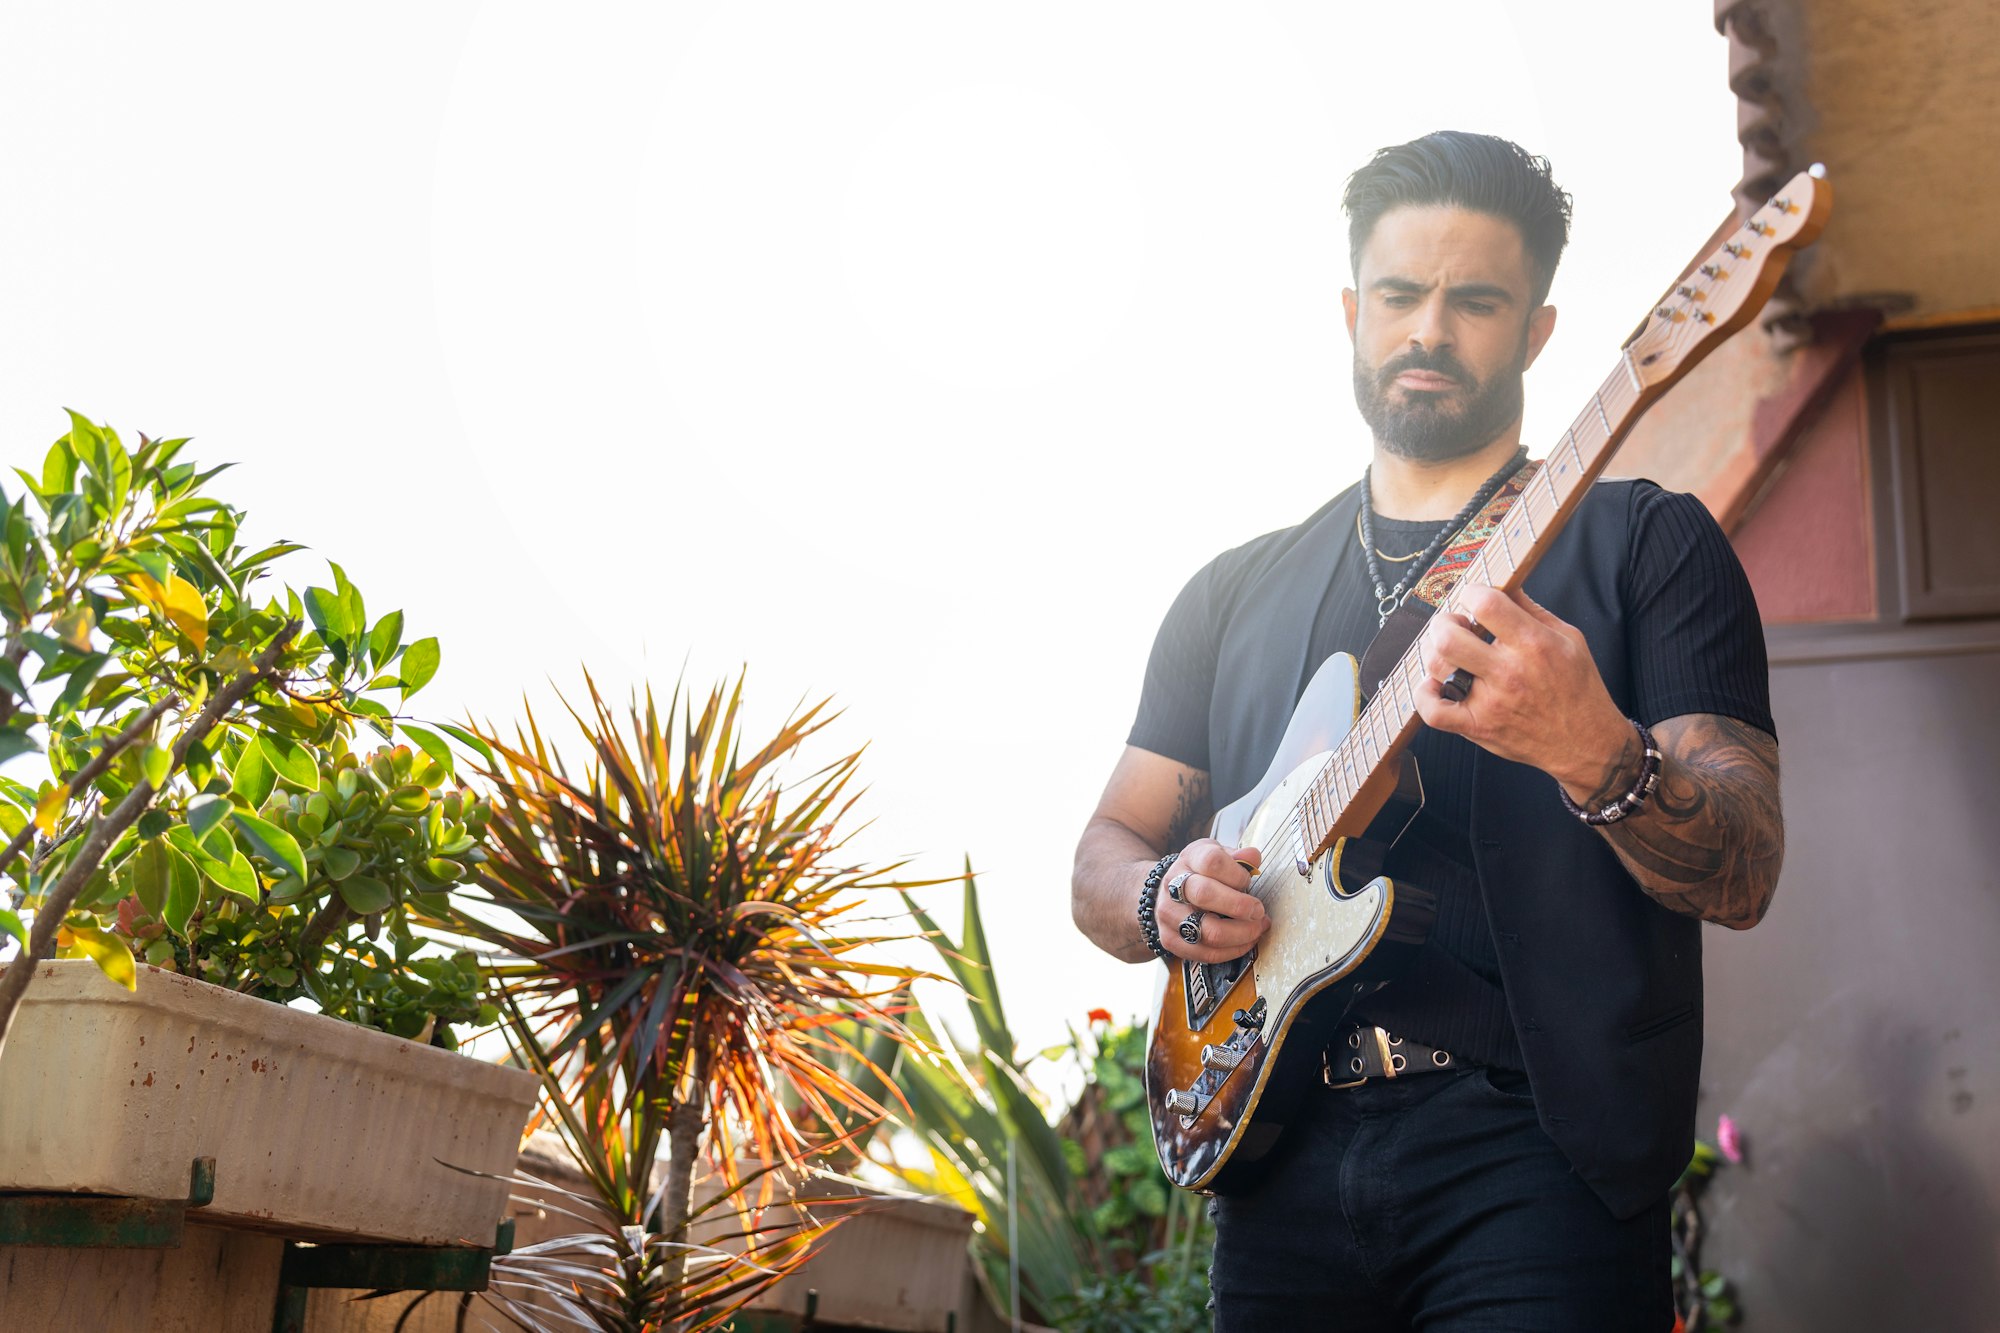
(1400, 630)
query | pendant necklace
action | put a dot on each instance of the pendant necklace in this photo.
(1387, 598)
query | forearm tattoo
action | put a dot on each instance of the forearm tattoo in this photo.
(1711, 838)
(1192, 813)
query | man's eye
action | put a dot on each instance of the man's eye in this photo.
(1478, 307)
(1399, 301)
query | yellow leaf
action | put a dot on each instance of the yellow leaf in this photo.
(143, 587)
(109, 953)
(178, 600)
(50, 805)
(183, 606)
(73, 626)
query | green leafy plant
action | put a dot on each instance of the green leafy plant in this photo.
(993, 1149)
(1156, 1239)
(203, 806)
(687, 971)
(1703, 1297)
(1072, 1211)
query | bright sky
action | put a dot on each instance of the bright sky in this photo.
(913, 353)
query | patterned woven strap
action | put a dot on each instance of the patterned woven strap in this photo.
(1449, 567)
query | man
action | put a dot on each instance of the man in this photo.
(1520, 1180)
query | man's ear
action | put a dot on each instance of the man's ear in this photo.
(1540, 325)
(1352, 305)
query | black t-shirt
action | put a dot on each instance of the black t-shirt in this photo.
(1696, 647)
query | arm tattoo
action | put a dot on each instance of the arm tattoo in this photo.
(1712, 838)
(1192, 814)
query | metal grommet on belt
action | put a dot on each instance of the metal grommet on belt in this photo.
(1378, 1053)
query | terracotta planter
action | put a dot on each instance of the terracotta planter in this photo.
(319, 1128)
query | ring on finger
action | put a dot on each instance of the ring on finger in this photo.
(1175, 885)
(1191, 928)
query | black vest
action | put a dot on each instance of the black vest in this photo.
(1603, 983)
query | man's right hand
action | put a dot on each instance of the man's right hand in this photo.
(1218, 880)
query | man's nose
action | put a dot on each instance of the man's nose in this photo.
(1432, 330)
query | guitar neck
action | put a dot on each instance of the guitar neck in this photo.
(1358, 777)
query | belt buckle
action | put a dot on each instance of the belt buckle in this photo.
(1389, 1058)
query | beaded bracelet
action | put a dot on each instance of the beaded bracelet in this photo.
(1149, 921)
(1633, 799)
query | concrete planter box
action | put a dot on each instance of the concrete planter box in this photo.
(320, 1129)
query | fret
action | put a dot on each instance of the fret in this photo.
(1576, 458)
(1598, 398)
(1549, 482)
(1505, 549)
(1632, 369)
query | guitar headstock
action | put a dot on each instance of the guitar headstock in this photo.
(1724, 291)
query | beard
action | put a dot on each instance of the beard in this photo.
(1426, 427)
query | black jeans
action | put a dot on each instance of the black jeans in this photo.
(1433, 1202)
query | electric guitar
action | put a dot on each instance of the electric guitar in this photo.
(1232, 1045)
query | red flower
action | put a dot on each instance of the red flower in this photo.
(1099, 1016)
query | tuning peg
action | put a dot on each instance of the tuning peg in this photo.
(1711, 272)
(1740, 251)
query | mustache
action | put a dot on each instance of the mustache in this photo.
(1439, 362)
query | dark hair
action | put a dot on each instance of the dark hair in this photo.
(1464, 170)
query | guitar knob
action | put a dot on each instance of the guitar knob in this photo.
(1248, 1018)
(1182, 1103)
(1221, 1058)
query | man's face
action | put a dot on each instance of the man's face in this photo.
(1442, 330)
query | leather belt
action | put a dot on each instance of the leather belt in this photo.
(1363, 1051)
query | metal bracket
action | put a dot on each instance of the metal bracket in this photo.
(381, 1268)
(102, 1221)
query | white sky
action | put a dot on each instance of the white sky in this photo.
(909, 352)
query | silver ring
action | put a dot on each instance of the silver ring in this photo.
(1191, 928)
(1174, 885)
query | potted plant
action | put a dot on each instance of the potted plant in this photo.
(209, 839)
(690, 967)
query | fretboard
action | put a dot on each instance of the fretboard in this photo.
(1357, 777)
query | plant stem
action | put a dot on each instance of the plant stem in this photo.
(684, 1131)
(137, 731)
(55, 905)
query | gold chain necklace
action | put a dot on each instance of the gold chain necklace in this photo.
(1392, 559)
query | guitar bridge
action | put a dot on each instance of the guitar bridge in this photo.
(1206, 985)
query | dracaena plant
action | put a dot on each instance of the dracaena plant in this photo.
(692, 953)
(201, 803)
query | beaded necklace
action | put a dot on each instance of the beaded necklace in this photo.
(1387, 598)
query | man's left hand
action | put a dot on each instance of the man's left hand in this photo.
(1536, 697)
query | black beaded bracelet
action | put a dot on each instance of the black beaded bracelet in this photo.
(1149, 921)
(1631, 802)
